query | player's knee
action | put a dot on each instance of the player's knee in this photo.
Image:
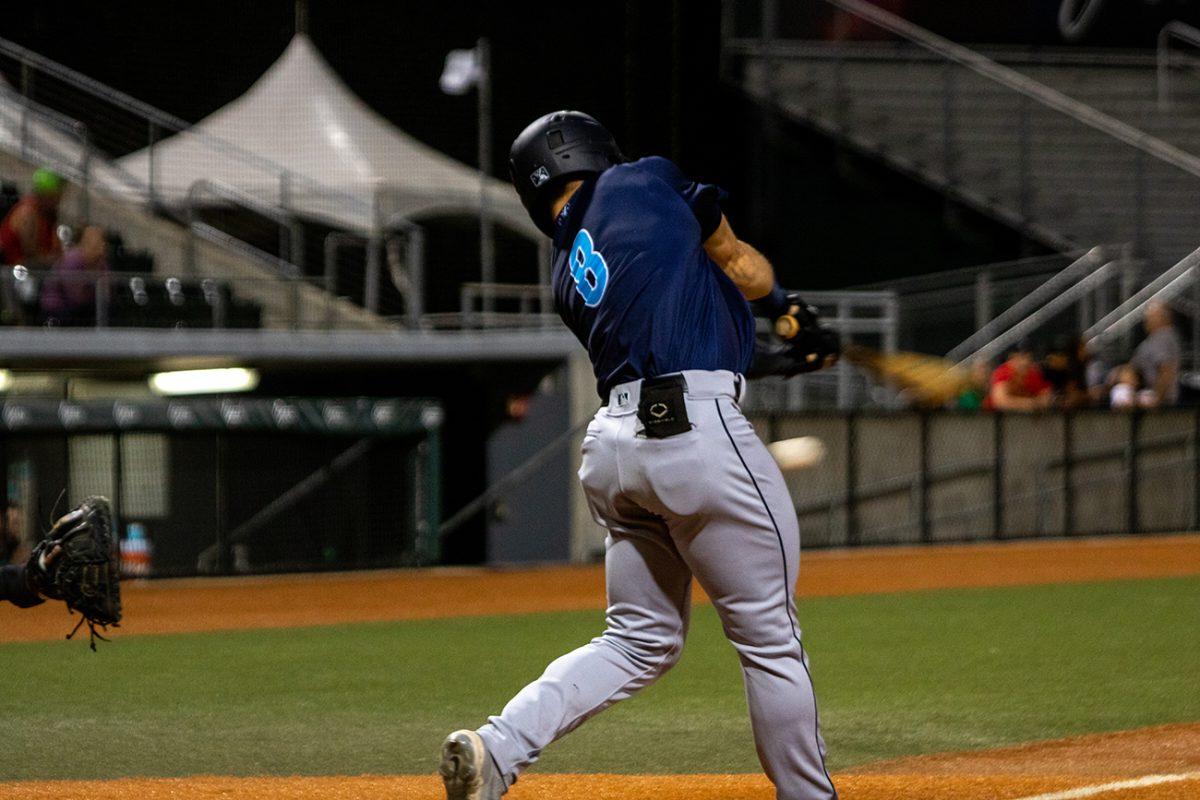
(657, 650)
(763, 639)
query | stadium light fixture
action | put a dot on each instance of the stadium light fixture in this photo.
(6, 380)
(204, 381)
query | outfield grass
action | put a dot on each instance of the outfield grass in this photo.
(896, 675)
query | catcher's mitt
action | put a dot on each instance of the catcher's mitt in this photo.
(77, 563)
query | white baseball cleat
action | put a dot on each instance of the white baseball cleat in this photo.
(467, 769)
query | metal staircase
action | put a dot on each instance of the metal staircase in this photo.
(1069, 152)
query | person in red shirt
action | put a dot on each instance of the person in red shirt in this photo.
(1018, 383)
(28, 234)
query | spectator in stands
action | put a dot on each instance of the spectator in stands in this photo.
(28, 234)
(1064, 369)
(69, 294)
(1124, 391)
(974, 395)
(1098, 361)
(1018, 383)
(1158, 357)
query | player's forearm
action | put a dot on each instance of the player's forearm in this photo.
(751, 272)
(749, 269)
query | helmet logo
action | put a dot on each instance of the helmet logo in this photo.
(540, 176)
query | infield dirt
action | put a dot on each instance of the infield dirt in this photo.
(1004, 774)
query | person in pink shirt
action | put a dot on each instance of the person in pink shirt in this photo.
(68, 295)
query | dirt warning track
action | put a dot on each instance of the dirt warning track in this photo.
(208, 604)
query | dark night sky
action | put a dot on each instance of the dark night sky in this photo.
(192, 58)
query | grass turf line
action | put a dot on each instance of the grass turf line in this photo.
(896, 675)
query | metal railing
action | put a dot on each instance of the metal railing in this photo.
(1079, 282)
(1180, 31)
(137, 125)
(1022, 84)
(1021, 328)
(1163, 288)
(291, 240)
(1026, 154)
(131, 125)
(126, 299)
(39, 135)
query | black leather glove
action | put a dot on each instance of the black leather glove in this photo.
(810, 350)
(798, 343)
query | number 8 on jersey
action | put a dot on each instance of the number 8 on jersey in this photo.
(588, 268)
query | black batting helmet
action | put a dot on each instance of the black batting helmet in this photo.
(551, 151)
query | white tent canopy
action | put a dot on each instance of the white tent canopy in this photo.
(301, 139)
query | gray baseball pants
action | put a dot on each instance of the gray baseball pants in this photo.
(709, 503)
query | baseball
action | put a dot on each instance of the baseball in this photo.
(802, 452)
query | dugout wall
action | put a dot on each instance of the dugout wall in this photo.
(236, 485)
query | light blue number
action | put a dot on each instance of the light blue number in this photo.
(588, 268)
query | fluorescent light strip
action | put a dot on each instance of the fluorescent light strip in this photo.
(204, 381)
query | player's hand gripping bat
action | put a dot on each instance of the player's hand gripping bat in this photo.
(800, 343)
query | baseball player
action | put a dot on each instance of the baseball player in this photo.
(654, 283)
(15, 586)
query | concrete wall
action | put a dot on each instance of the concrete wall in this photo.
(1046, 463)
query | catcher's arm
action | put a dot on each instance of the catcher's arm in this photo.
(15, 588)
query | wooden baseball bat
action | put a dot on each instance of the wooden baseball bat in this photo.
(931, 381)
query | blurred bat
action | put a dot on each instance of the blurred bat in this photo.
(930, 381)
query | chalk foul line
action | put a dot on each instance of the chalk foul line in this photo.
(1133, 783)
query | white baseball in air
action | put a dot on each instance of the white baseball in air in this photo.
(802, 452)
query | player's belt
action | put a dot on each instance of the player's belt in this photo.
(696, 384)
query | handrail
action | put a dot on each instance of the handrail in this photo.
(1014, 269)
(1163, 287)
(1022, 84)
(1082, 266)
(159, 117)
(68, 75)
(1184, 33)
(234, 195)
(64, 123)
(1088, 283)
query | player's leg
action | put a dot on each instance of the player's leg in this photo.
(745, 553)
(15, 588)
(648, 588)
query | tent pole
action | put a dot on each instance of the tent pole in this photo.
(301, 17)
(487, 245)
(374, 243)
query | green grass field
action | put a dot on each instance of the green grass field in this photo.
(896, 674)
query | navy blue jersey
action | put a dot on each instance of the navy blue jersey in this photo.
(634, 284)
